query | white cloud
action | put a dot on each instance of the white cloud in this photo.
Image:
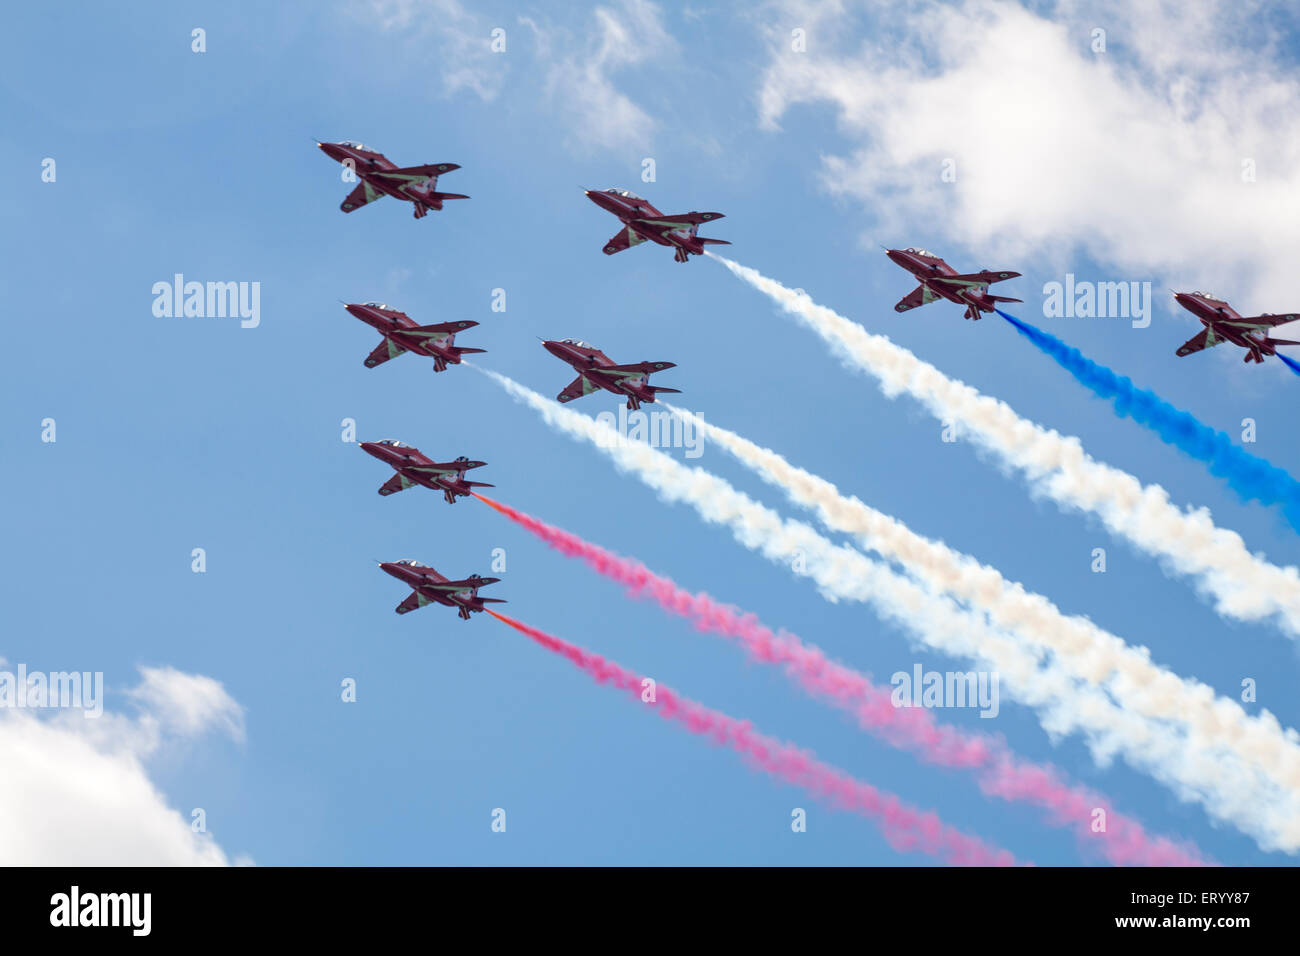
(580, 80)
(75, 791)
(189, 704)
(1134, 155)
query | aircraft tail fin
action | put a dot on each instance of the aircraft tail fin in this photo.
(659, 388)
(712, 242)
(441, 196)
(493, 601)
(479, 484)
(463, 351)
(1001, 298)
(1281, 342)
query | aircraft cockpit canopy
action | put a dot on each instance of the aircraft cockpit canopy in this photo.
(578, 342)
(353, 144)
(624, 193)
(393, 443)
(378, 305)
(920, 252)
(1207, 295)
(411, 563)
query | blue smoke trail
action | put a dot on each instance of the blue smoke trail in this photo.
(1253, 479)
(1290, 363)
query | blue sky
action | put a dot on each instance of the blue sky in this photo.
(182, 433)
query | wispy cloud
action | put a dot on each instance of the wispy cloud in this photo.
(464, 55)
(188, 704)
(580, 73)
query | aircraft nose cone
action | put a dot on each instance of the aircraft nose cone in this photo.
(555, 348)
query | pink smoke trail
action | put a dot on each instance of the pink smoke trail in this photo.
(1000, 773)
(905, 828)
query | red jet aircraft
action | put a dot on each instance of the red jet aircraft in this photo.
(430, 587)
(941, 281)
(642, 221)
(401, 334)
(597, 371)
(413, 468)
(381, 177)
(1223, 324)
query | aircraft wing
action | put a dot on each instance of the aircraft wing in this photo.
(625, 238)
(434, 471)
(413, 173)
(363, 194)
(439, 335)
(579, 387)
(468, 584)
(1203, 339)
(684, 219)
(919, 296)
(413, 601)
(1251, 322)
(638, 368)
(384, 351)
(978, 278)
(449, 468)
(395, 484)
(439, 330)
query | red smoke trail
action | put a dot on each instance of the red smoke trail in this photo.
(1000, 773)
(907, 829)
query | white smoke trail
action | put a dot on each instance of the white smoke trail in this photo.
(1243, 586)
(1230, 788)
(1084, 650)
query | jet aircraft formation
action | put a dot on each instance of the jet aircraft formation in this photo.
(377, 177)
(640, 222)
